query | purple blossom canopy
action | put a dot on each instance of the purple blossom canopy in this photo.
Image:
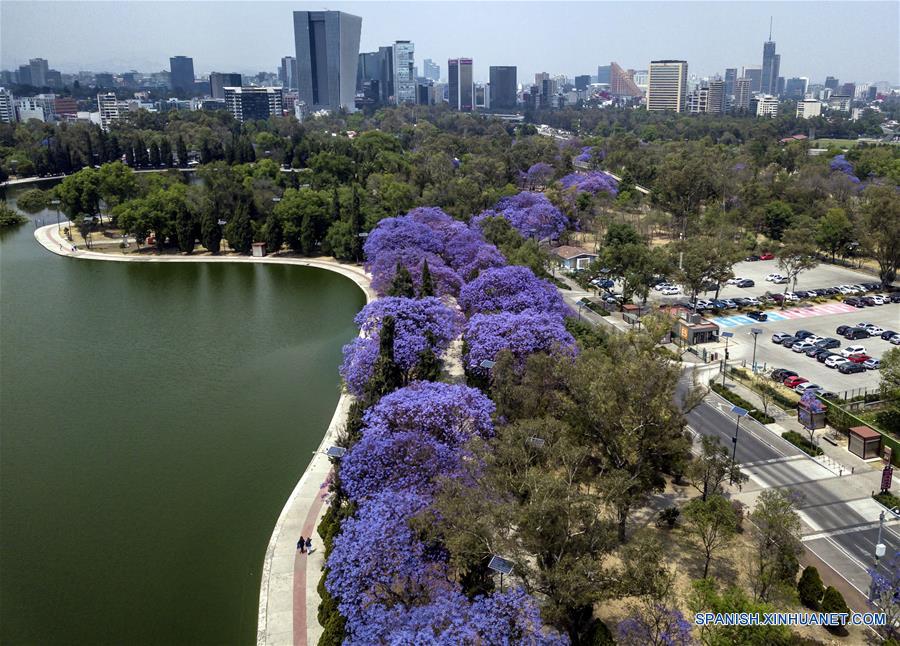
(522, 334)
(450, 413)
(671, 629)
(510, 289)
(400, 234)
(840, 163)
(539, 174)
(383, 269)
(531, 214)
(415, 320)
(593, 182)
(377, 560)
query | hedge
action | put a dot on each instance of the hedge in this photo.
(887, 499)
(737, 400)
(801, 442)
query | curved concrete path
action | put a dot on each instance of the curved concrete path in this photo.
(288, 595)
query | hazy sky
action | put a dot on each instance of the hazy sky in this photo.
(857, 41)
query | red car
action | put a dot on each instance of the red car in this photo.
(858, 358)
(766, 256)
(793, 382)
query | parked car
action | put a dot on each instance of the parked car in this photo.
(828, 343)
(802, 346)
(824, 355)
(719, 304)
(781, 280)
(856, 333)
(801, 294)
(835, 361)
(780, 374)
(789, 342)
(850, 368)
(733, 281)
(658, 286)
(813, 351)
(793, 382)
(842, 329)
(855, 302)
(895, 340)
(872, 364)
(779, 337)
(875, 331)
(751, 258)
(869, 300)
(827, 394)
(887, 334)
(766, 255)
(603, 283)
(756, 315)
(752, 301)
(746, 282)
(802, 388)
(872, 287)
(878, 299)
(670, 291)
(803, 334)
(741, 302)
(771, 277)
(895, 297)
(851, 350)
(858, 358)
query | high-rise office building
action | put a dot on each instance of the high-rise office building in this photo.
(718, 99)
(770, 64)
(23, 75)
(779, 86)
(742, 94)
(848, 89)
(39, 69)
(104, 80)
(621, 83)
(327, 45)
(425, 94)
(181, 70)
(287, 72)
(872, 93)
(7, 106)
(795, 88)
(808, 108)
(503, 85)
(461, 86)
(832, 83)
(404, 72)
(218, 81)
(698, 100)
(109, 106)
(379, 67)
(254, 103)
(730, 80)
(603, 72)
(432, 70)
(755, 75)
(582, 82)
(667, 86)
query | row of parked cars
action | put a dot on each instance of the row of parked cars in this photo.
(851, 359)
(800, 384)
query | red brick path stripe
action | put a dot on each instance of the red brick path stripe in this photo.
(309, 526)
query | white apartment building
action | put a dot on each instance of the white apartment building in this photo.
(109, 108)
(766, 106)
(7, 106)
(808, 108)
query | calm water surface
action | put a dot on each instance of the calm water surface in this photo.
(153, 420)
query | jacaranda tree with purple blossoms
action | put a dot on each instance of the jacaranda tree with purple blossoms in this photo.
(485, 335)
(420, 325)
(592, 183)
(886, 594)
(510, 289)
(533, 215)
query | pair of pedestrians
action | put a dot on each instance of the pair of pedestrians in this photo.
(305, 545)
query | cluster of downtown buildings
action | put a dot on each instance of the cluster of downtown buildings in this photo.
(328, 73)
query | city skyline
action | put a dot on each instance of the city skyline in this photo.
(706, 35)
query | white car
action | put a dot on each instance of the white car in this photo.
(835, 361)
(781, 280)
(879, 300)
(852, 350)
(752, 300)
(847, 290)
(803, 346)
(733, 281)
(874, 330)
(895, 339)
(772, 277)
(661, 286)
(872, 364)
(671, 290)
(802, 388)
(791, 296)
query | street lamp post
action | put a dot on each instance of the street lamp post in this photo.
(755, 331)
(879, 552)
(740, 412)
(727, 336)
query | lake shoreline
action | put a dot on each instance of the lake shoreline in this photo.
(288, 593)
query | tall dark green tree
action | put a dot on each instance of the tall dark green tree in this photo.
(274, 233)
(386, 374)
(185, 229)
(210, 230)
(165, 153)
(427, 286)
(181, 151)
(307, 235)
(239, 230)
(402, 285)
(155, 158)
(355, 224)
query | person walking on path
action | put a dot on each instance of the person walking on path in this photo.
(301, 545)
(309, 545)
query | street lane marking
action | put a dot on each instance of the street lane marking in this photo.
(845, 530)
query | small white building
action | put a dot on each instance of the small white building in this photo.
(574, 258)
(808, 108)
(766, 106)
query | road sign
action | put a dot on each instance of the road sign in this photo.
(887, 476)
(727, 335)
(740, 412)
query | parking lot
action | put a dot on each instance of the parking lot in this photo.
(770, 355)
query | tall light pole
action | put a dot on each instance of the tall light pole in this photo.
(740, 412)
(879, 552)
(55, 204)
(727, 336)
(755, 331)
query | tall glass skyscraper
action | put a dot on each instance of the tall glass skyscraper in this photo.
(327, 45)
(771, 63)
(404, 72)
(181, 70)
(461, 88)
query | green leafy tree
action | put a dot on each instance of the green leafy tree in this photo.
(775, 559)
(32, 200)
(797, 254)
(117, 183)
(711, 524)
(778, 216)
(705, 597)
(880, 223)
(711, 468)
(9, 217)
(834, 232)
(833, 602)
(239, 231)
(810, 588)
